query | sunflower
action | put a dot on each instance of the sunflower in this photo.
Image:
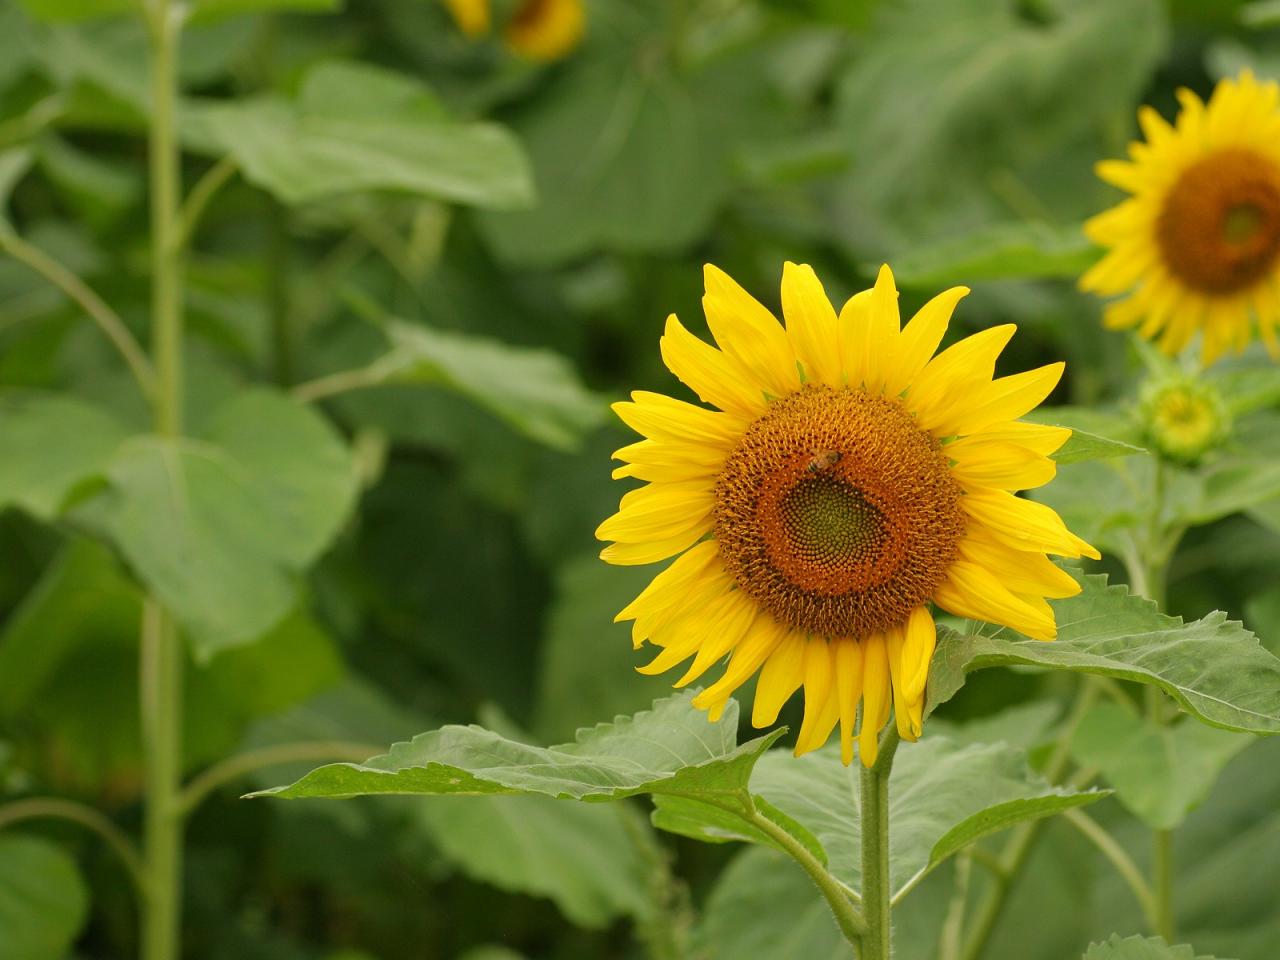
(1197, 246)
(538, 30)
(848, 479)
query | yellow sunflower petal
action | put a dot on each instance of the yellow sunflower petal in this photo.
(747, 331)
(780, 677)
(876, 696)
(919, 339)
(952, 374)
(716, 378)
(821, 706)
(980, 462)
(869, 334)
(848, 656)
(971, 591)
(664, 418)
(1024, 524)
(811, 324)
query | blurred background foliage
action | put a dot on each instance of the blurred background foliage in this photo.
(424, 268)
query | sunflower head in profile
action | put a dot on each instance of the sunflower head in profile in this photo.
(848, 479)
(1196, 248)
(538, 29)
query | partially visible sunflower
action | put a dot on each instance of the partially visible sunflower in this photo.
(538, 30)
(848, 479)
(1197, 246)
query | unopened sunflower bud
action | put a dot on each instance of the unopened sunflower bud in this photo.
(1184, 419)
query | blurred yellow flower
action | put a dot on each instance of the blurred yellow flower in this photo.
(848, 479)
(538, 30)
(1197, 246)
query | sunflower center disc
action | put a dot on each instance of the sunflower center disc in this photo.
(837, 513)
(1219, 230)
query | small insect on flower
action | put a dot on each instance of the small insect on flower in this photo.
(848, 479)
(1196, 248)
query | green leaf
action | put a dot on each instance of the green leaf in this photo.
(49, 443)
(295, 465)
(1095, 434)
(1159, 772)
(385, 132)
(43, 900)
(1140, 948)
(1000, 251)
(1213, 667)
(942, 797)
(671, 749)
(579, 855)
(218, 531)
(983, 84)
(618, 163)
(537, 392)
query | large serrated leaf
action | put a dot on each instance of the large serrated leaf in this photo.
(1213, 667)
(670, 749)
(942, 797)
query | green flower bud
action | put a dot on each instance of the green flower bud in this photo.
(1183, 418)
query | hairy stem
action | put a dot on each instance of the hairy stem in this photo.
(42, 808)
(876, 890)
(847, 915)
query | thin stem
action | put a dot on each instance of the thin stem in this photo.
(851, 922)
(949, 939)
(876, 891)
(165, 22)
(233, 768)
(343, 381)
(107, 319)
(1162, 916)
(160, 686)
(1022, 838)
(1121, 860)
(210, 182)
(39, 808)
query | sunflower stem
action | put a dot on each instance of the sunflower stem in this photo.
(876, 890)
(160, 679)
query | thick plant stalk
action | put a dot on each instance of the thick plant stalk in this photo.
(877, 943)
(160, 678)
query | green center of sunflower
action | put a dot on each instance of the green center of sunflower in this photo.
(1219, 227)
(828, 520)
(837, 513)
